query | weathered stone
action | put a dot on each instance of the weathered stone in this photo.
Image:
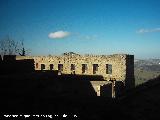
(119, 67)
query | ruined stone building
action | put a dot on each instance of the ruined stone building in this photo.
(113, 68)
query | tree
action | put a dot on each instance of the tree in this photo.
(8, 46)
(22, 51)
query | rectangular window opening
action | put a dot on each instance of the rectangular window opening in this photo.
(73, 68)
(51, 66)
(36, 65)
(42, 66)
(108, 69)
(60, 67)
(95, 68)
(84, 68)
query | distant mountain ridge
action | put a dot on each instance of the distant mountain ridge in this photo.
(148, 64)
(145, 70)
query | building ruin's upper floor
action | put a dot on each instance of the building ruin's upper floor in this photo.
(118, 66)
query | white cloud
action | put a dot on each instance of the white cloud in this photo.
(148, 30)
(58, 34)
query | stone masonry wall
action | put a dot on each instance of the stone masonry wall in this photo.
(122, 68)
(118, 62)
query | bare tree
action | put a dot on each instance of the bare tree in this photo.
(23, 51)
(8, 46)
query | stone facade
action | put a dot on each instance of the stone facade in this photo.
(117, 67)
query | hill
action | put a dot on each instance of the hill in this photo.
(146, 69)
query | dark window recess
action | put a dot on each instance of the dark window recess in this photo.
(60, 67)
(72, 67)
(95, 68)
(108, 69)
(51, 66)
(42, 66)
(84, 68)
(36, 65)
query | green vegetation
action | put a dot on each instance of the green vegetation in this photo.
(142, 75)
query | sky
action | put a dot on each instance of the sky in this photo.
(52, 27)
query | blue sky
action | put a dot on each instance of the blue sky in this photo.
(84, 26)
